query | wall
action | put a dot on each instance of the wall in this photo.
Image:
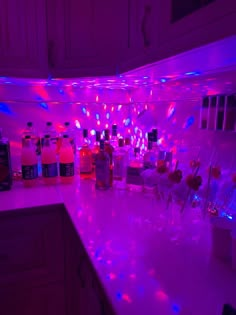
(171, 106)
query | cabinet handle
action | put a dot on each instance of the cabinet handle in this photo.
(147, 13)
(51, 46)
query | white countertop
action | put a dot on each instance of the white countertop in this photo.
(143, 267)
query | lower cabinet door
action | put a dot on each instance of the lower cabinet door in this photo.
(83, 291)
(46, 300)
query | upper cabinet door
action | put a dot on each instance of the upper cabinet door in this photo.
(22, 38)
(83, 37)
(185, 24)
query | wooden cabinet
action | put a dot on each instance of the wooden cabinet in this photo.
(32, 262)
(212, 22)
(23, 38)
(84, 293)
(85, 37)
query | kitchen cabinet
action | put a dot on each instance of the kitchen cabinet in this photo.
(84, 293)
(212, 22)
(85, 37)
(23, 50)
(32, 261)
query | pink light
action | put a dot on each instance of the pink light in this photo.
(161, 295)
(109, 262)
(106, 126)
(97, 98)
(98, 123)
(112, 109)
(88, 114)
(105, 107)
(112, 276)
(133, 276)
(126, 298)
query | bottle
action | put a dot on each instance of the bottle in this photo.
(71, 133)
(150, 157)
(120, 160)
(30, 131)
(102, 168)
(49, 162)
(5, 164)
(86, 161)
(134, 179)
(95, 151)
(109, 150)
(51, 131)
(66, 161)
(114, 138)
(29, 163)
(128, 148)
(154, 140)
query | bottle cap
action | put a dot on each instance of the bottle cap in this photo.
(85, 133)
(27, 137)
(49, 123)
(67, 124)
(29, 124)
(155, 134)
(114, 130)
(121, 142)
(102, 144)
(107, 134)
(98, 136)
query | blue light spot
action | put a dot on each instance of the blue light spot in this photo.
(44, 105)
(192, 73)
(93, 132)
(61, 91)
(5, 109)
(127, 122)
(107, 116)
(97, 116)
(119, 295)
(189, 122)
(163, 80)
(145, 77)
(175, 308)
(84, 110)
(97, 253)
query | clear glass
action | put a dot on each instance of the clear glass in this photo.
(120, 161)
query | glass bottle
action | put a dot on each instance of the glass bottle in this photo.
(102, 168)
(5, 164)
(66, 161)
(49, 162)
(85, 155)
(71, 133)
(154, 140)
(95, 150)
(29, 163)
(134, 179)
(109, 150)
(128, 148)
(150, 157)
(120, 160)
(114, 138)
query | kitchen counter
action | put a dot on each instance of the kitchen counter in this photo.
(145, 265)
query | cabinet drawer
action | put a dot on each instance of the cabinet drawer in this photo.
(31, 250)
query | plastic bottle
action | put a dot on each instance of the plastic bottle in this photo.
(49, 162)
(30, 131)
(66, 161)
(29, 163)
(51, 131)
